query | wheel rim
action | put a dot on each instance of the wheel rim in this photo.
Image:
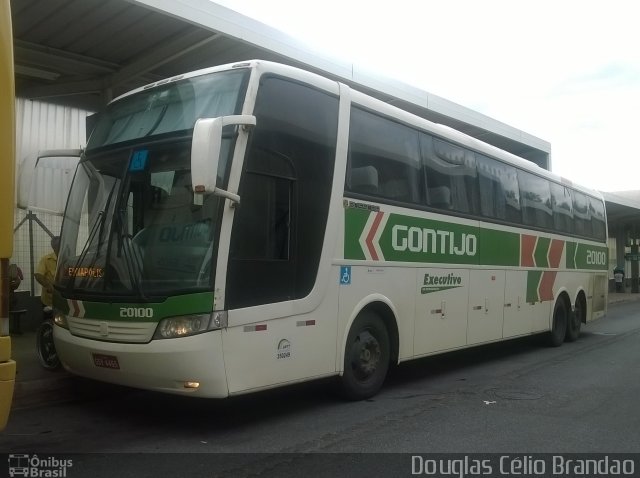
(365, 356)
(575, 320)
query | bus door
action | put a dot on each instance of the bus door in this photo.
(486, 306)
(518, 314)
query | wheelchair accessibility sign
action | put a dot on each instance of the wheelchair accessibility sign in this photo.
(345, 275)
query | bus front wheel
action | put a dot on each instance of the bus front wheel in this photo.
(366, 357)
(559, 328)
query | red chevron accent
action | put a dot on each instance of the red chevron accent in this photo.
(545, 289)
(555, 253)
(527, 247)
(372, 232)
(75, 308)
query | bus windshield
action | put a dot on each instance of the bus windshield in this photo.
(131, 228)
(171, 107)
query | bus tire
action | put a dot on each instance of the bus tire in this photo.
(575, 321)
(559, 329)
(45, 347)
(366, 357)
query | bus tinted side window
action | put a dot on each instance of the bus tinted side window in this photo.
(500, 195)
(598, 223)
(582, 221)
(451, 176)
(536, 200)
(279, 228)
(384, 160)
(562, 208)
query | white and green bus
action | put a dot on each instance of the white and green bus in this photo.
(255, 225)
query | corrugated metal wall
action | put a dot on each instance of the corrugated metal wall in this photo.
(47, 126)
(41, 126)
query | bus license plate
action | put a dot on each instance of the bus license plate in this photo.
(106, 361)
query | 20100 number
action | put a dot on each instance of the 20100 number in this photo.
(597, 258)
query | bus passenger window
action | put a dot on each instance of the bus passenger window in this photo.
(598, 222)
(536, 200)
(562, 208)
(582, 222)
(384, 160)
(451, 176)
(500, 196)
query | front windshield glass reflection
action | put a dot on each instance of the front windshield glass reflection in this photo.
(131, 227)
(169, 108)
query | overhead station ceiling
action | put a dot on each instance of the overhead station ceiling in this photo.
(85, 52)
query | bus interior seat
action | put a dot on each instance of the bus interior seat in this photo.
(364, 180)
(440, 197)
(397, 189)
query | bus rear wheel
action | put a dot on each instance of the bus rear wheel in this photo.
(575, 321)
(366, 357)
(559, 328)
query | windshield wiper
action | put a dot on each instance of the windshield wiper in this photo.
(97, 228)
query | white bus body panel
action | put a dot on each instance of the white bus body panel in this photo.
(277, 351)
(486, 306)
(160, 365)
(441, 316)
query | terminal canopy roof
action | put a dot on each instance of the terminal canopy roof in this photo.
(85, 52)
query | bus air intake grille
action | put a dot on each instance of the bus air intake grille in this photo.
(112, 331)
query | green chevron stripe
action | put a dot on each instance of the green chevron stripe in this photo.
(541, 253)
(533, 281)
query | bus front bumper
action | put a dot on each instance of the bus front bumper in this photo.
(187, 365)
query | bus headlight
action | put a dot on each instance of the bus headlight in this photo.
(186, 325)
(60, 319)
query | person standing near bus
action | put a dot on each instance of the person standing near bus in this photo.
(618, 276)
(45, 274)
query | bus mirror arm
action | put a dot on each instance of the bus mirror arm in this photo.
(198, 197)
(206, 146)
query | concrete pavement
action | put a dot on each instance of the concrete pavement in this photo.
(36, 386)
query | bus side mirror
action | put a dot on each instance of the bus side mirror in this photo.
(205, 154)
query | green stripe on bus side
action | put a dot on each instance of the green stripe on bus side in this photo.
(592, 257)
(453, 244)
(355, 221)
(571, 254)
(429, 241)
(438, 242)
(541, 254)
(188, 304)
(533, 281)
(499, 248)
(586, 256)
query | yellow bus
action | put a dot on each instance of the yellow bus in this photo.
(7, 198)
